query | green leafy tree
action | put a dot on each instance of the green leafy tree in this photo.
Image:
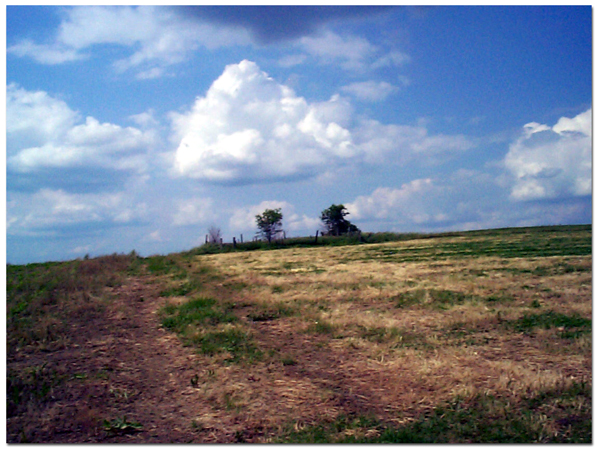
(269, 223)
(334, 220)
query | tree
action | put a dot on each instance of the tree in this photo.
(214, 235)
(333, 219)
(269, 223)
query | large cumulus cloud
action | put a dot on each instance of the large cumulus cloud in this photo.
(249, 128)
(552, 162)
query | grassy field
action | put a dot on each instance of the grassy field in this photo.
(463, 337)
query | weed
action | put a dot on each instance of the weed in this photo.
(321, 327)
(121, 394)
(121, 426)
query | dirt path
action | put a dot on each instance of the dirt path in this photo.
(122, 366)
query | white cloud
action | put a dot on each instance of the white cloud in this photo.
(42, 132)
(248, 128)
(400, 143)
(370, 91)
(34, 118)
(194, 211)
(159, 37)
(292, 60)
(392, 59)
(350, 52)
(145, 119)
(45, 54)
(55, 209)
(552, 162)
(412, 203)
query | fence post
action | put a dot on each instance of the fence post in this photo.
(234, 242)
(316, 236)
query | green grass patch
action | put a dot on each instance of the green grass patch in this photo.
(570, 327)
(196, 312)
(434, 298)
(237, 342)
(162, 265)
(181, 290)
(561, 415)
(199, 323)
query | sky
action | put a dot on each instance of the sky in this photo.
(139, 128)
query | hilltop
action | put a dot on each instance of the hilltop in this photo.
(458, 337)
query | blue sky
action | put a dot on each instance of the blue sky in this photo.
(141, 127)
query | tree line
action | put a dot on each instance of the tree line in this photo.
(334, 221)
(270, 225)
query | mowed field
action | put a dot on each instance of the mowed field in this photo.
(473, 337)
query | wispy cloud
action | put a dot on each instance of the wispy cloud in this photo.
(370, 91)
(54, 211)
(157, 36)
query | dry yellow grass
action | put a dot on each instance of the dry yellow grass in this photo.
(348, 331)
